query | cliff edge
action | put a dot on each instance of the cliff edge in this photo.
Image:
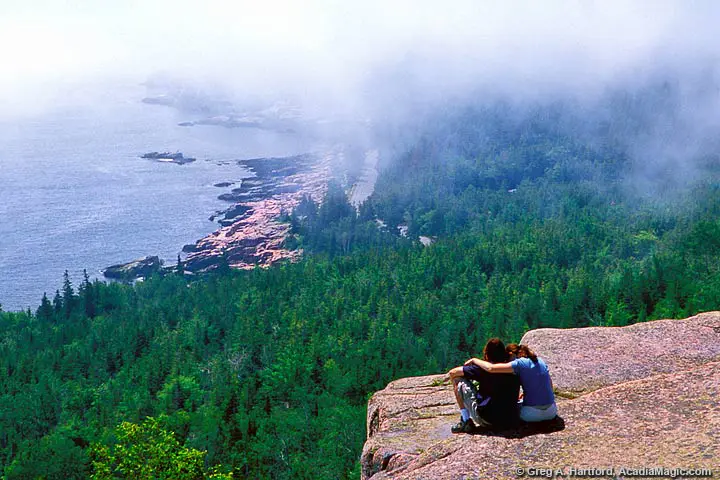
(641, 396)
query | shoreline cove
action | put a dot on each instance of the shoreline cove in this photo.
(76, 196)
(251, 233)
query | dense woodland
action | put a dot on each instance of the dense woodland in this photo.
(266, 374)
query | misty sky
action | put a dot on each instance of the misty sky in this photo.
(333, 46)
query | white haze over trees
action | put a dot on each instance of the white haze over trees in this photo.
(329, 49)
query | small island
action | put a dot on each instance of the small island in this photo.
(168, 157)
(142, 267)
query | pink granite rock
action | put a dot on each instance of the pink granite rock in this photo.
(658, 408)
(585, 359)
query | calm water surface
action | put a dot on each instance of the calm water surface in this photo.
(75, 195)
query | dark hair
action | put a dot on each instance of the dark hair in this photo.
(494, 351)
(521, 351)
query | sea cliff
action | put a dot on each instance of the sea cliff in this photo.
(641, 396)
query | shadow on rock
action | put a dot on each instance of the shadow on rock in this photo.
(524, 429)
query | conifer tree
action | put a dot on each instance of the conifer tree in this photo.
(87, 295)
(68, 296)
(45, 310)
(57, 303)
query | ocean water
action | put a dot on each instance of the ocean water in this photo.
(75, 195)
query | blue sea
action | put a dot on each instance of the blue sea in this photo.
(75, 195)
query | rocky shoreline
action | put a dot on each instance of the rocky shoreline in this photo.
(251, 233)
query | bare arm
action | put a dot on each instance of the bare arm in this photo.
(493, 367)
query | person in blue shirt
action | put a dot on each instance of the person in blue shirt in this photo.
(538, 403)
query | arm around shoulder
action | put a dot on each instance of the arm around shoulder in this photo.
(494, 367)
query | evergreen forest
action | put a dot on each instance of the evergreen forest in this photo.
(541, 216)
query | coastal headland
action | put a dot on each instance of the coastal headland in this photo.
(251, 233)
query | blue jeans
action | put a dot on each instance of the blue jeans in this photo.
(538, 413)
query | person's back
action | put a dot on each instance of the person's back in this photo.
(503, 391)
(538, 397)
(535, 378)
(493, 402)
(539, 402)
(497, 393)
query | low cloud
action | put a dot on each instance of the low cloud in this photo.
(378, 57)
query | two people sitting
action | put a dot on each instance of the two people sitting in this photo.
(495, 404)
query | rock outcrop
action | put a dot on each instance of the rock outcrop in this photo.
(646, 395)
(252, 233)
(168, 157)
(142, 267)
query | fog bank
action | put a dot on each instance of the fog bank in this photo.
(329, 52)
